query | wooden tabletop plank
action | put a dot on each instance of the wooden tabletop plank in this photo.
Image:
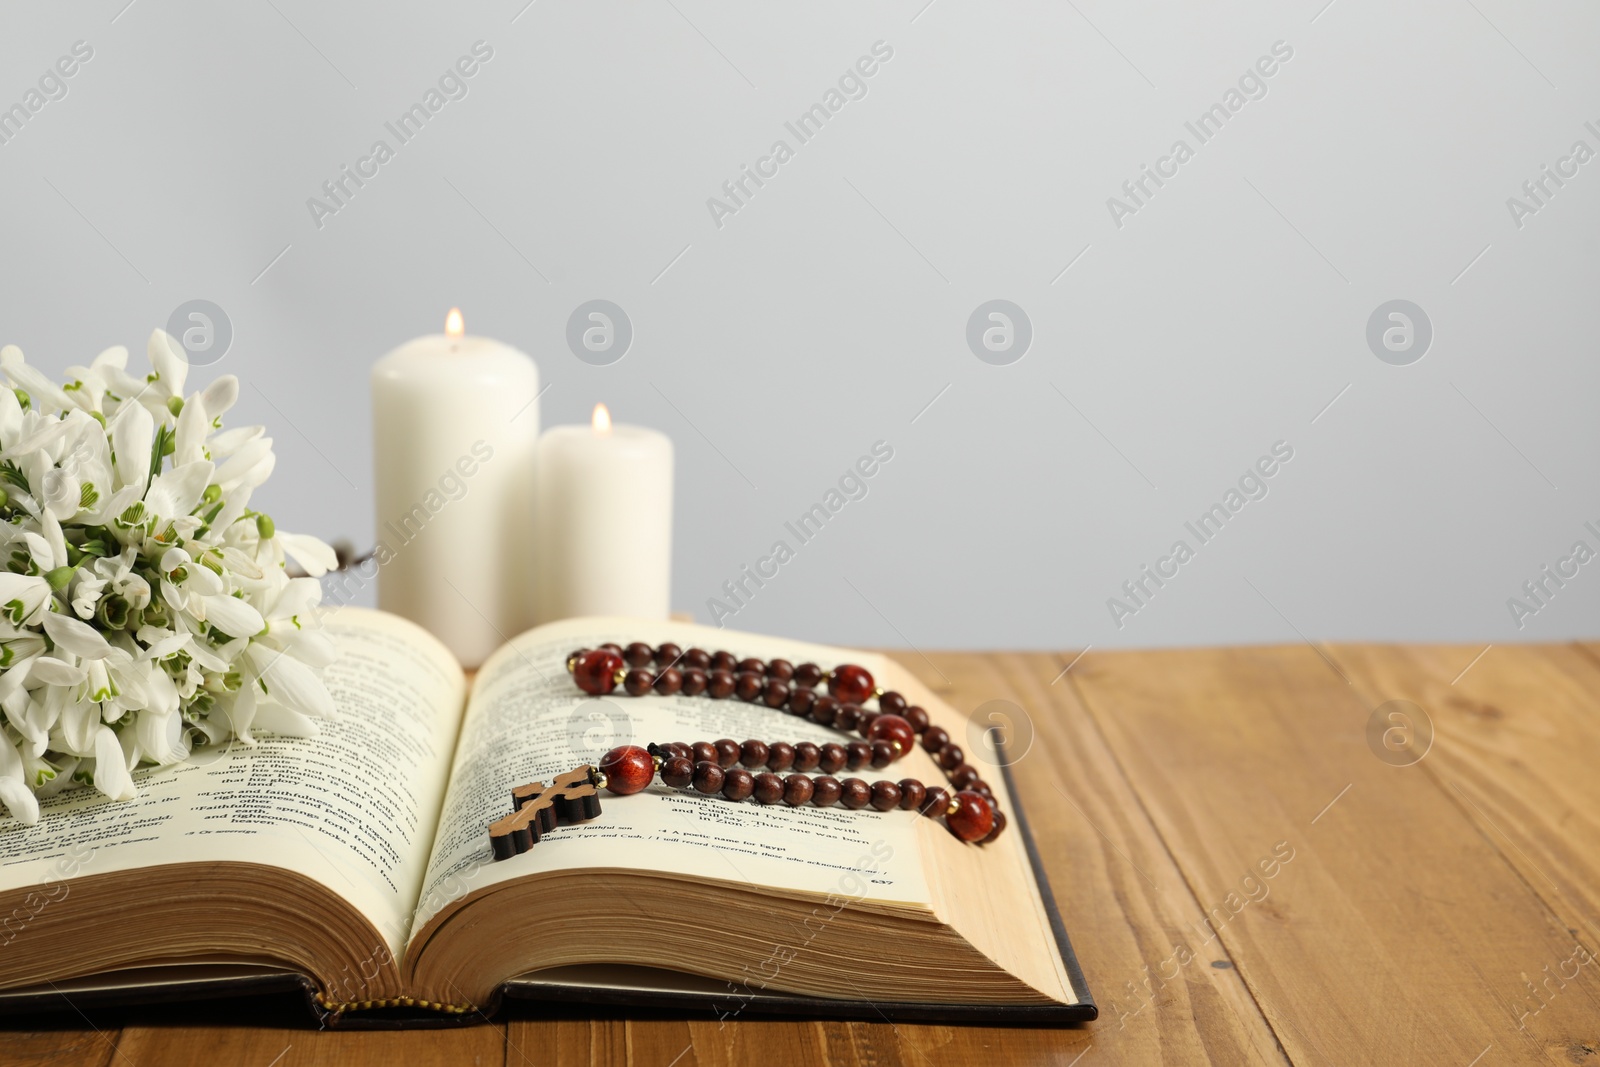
(88, 1047)
(1124, 902)
(1516, 736)
(472, 1046)
(1397, 932)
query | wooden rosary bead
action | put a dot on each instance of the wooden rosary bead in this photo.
(698, 658)
(823, 710)
(638, 681)
(612, 647)
(668, 654)
(972, 818)
(891, 703)
(935, 802)
(628, 769)
(638, 654)
(720, 685)
(807, 674)
(708, 777)
(780, 756)
(724, 661)
(893, 729)
(825, 790)
(950, 757)
(703, 752)
(727, 752)
(681, 750)
(738, 784)
(800, 701)
(806, 756)
(768, 788)
(753, 753)
(964, 777)
(781, 669)
(747, 687)
(751, 665)
(694, 681)
(885, 796)
(775, 693)
(847, 717)
(669, 681)
(917, 716)
(851, 683)
(834, 757)
(883, 754)
(912, 794)
(677, 772)
(797, 789)
(934, 738)
(857, 755)
(983, 789)
(854, 793)
(864, 720)
(595, 671)
(999, 825)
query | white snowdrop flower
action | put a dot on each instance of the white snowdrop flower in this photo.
(143, 603)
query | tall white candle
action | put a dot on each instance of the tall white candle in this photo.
(455, 425)
(604, 521)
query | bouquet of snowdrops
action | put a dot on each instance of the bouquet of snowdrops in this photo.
(144, 608)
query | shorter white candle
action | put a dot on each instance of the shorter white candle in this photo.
(604, 521)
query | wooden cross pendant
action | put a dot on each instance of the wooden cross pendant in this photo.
(540, 808)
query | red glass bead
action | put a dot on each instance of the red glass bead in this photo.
(893, 729)
(628, 769)
(851, 684)
(596, 671)
(973, 818)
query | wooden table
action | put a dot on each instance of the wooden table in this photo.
(1418, 907)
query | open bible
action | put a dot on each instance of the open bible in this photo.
(356, 864)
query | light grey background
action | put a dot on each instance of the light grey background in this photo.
(831, 312)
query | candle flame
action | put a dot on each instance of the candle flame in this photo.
(453, 325)
(602, 419)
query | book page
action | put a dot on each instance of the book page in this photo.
(528, 721)
(354, 808)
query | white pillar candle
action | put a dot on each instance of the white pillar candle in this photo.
(455, 426)
(604, 519)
